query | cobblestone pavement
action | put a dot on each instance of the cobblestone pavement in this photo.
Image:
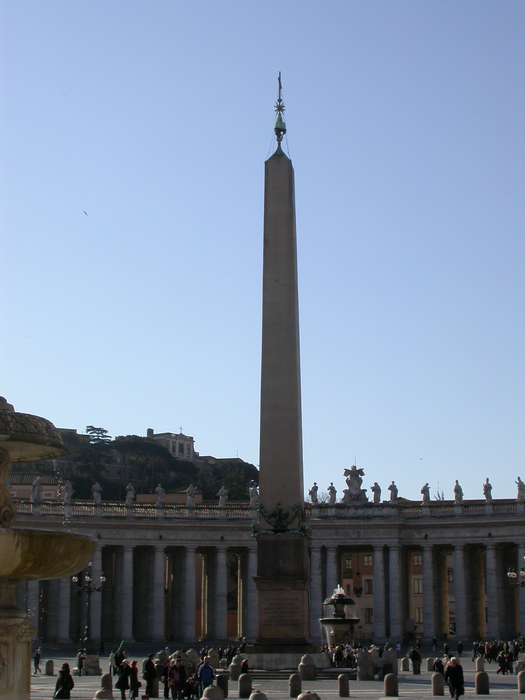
(410, 686)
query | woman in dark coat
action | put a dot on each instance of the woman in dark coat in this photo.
(134, 682)
(64, 684)
(177, 674)
(454, 678)
(124, 672)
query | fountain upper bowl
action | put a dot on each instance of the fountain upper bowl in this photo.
(42, 554)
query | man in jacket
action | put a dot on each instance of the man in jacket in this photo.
(454, 678)
(149, 674)
(205, 674)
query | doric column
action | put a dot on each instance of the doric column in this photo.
(396, 603)
(221, 597)
(379, 594)
(157, 617)
(332, 579)
(96, 597)
(460, 591)
(251, 596)
(521, 596)
(316, 594)
(64, 605)
(492, 589)
(127, 594)
(189, 595)
(429, 609)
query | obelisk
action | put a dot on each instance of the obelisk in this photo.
(282, 552)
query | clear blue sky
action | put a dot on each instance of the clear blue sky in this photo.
(406, 130)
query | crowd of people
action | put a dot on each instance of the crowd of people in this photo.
(177, 680)
(180, 679)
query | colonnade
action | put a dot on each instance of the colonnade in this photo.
(154, 593)
(184, 581)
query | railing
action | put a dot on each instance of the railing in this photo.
(240, 510)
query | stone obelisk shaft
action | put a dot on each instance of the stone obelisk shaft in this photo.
(281, 456)
(282, 556)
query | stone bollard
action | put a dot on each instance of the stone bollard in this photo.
(521, 682)
(213, 692)
(438, 684)
(258, 695)
(430, 663)
(106, 682)
(50, 667)
(235, 668)
(295, 685)
(405, 663)
(307, 668)
(343, 686)
(103, 695)
(245, 685)
(481, 683)
(390, 685)
(308, 695)
(480, 664)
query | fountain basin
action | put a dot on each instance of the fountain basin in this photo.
(32, 555)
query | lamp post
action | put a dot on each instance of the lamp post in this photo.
(513, 577)
(88, 587)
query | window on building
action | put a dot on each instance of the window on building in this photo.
(188, 451)
(418, 586)
(173, 449)
(367, 560)
(181, 448)
(450, 575)
(368, 586)
(417, 559)
(348, 564)
(369, 616)
(418, 616)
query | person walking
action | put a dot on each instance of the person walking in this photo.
(36, 661)
(149, 674)
(415, 657)
(205, 674)
(112, 670)
(134, 683)
(64, 684)
(80, 662)
(177, 680)
(122, 683)
(454, 678)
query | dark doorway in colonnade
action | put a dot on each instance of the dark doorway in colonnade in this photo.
(355, 573)
(110, 626)
(475, 572)
(175, 563)
(507, 558)
(206, 612)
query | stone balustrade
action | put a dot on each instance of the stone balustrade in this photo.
(240, 510)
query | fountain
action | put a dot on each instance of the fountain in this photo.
(27, 554)
(339, 627)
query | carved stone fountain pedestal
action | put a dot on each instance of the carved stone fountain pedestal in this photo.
(339, 628)
(27, 554)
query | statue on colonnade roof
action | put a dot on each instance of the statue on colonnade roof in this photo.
(354, 493)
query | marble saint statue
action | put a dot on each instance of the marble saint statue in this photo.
(96, 491)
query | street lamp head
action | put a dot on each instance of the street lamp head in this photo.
(74, 579)
(103, 578)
